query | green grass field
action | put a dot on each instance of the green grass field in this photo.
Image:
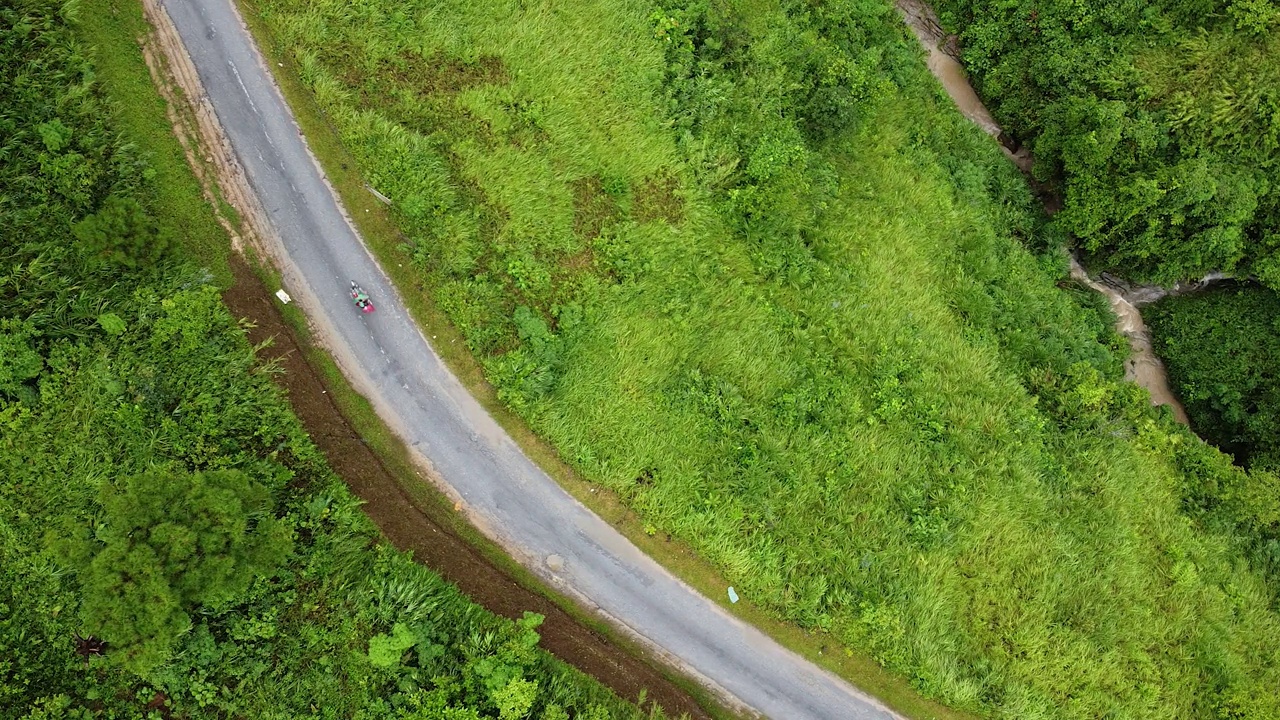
(820, 336)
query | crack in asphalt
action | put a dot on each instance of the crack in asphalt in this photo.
(470, 456)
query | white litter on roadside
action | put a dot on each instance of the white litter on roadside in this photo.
(733, 596)
(284, 296)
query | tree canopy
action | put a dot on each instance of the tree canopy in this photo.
(166, 543)
(1159, 123)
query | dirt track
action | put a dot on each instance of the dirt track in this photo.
(408, 527)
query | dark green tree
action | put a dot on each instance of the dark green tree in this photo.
(1222, 350)
(121, 232)
(1157, 122)
(166, 543)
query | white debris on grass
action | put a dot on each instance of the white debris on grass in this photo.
(284, 296)
(733, 596)
(383, 198)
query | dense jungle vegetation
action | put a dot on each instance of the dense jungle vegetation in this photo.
(171, 543)
(1222, 350)
(1159, 122)
(743, 263)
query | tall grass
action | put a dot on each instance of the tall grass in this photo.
(870, 404)
(111, 39)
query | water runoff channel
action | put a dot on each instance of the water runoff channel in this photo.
(1143, 366)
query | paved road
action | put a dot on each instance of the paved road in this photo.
(503, 492)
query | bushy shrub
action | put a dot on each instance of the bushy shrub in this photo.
(1157, 123)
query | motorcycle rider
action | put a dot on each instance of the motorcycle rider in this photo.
(360, 296)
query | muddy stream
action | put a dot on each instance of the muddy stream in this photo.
(1143, 366)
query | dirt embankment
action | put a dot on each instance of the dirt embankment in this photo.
(403, 522)
(207, 150)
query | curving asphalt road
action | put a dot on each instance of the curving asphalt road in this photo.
(502, 491)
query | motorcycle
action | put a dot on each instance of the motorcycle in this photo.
(361, 298)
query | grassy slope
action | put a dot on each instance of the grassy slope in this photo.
(380, 230)
(858, 451)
